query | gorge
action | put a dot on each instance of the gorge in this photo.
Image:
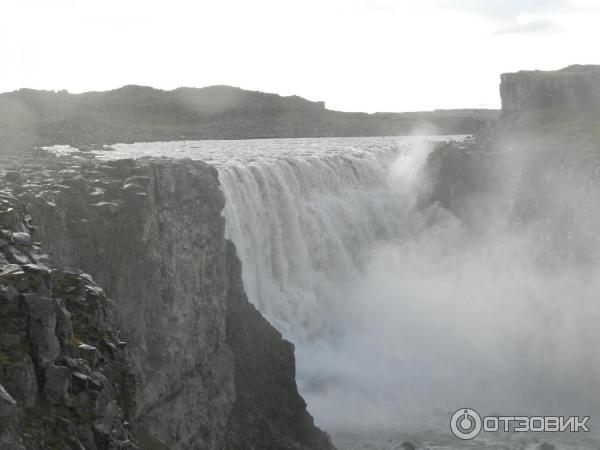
(412, 276)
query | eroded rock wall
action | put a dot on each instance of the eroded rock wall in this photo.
(212, 373)
(575, 87)
(65, 378)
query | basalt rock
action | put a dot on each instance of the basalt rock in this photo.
(46, 314)
(572, 89)
(211, 371)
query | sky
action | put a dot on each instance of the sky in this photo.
(356, 55)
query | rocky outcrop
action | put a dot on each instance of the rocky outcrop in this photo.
(536, 174)
(575, 87)
(211, 372)
(469, 179)
(268, 413)
(65, 379)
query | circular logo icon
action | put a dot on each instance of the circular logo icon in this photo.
(465, 423)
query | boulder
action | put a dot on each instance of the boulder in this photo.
(22, 238)
(88, 353)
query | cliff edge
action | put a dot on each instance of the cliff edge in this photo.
(211, 371)
(535, 173)
(575, 87)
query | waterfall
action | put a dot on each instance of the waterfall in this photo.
(304, 225)
(394, 307)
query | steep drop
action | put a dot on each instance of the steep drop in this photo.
(397, 305)
(211, 372)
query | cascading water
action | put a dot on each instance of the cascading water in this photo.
(394, 308)
(303, 228)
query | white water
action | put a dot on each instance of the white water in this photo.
(399, 316)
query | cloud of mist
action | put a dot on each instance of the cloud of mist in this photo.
(444, 318)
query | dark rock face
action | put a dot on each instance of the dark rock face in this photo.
(152, 235)
(572, 87)
(268, 413)
(65, 379)
(211, 372)
(463, 177)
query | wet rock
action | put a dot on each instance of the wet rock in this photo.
(8, 218)
(36, 269)
(74, 443)
(11, 446)
(41, 329)
(132, 187)
(56, 383)
(21, 379)
(79, 376)
(65, 280)
(102, 435)
(88, 353)
(95, 382)
(64, 327)
(3, 261)
(139, 180)
(254, 342)
(12, 274)
(8, 405)
(107, 207)
(22, 238)
(8, 293)
(14, 255)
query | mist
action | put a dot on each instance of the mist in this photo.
(427, 312)
(445, 316)
(404, 303)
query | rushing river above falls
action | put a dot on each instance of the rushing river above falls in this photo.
(398, 315)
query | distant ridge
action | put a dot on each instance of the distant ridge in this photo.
(134, 113)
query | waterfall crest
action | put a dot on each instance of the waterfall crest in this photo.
(394, 307)
(304, 226)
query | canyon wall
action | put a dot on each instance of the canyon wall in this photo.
(574, 87)
(65, 379)
(538, 170)
(211, 371)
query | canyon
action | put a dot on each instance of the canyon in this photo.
(205, 266)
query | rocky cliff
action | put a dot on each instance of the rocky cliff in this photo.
(574, 87)
(211, 372)
(538, 171)
(65, 379)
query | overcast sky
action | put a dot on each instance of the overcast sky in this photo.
(356, 55)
